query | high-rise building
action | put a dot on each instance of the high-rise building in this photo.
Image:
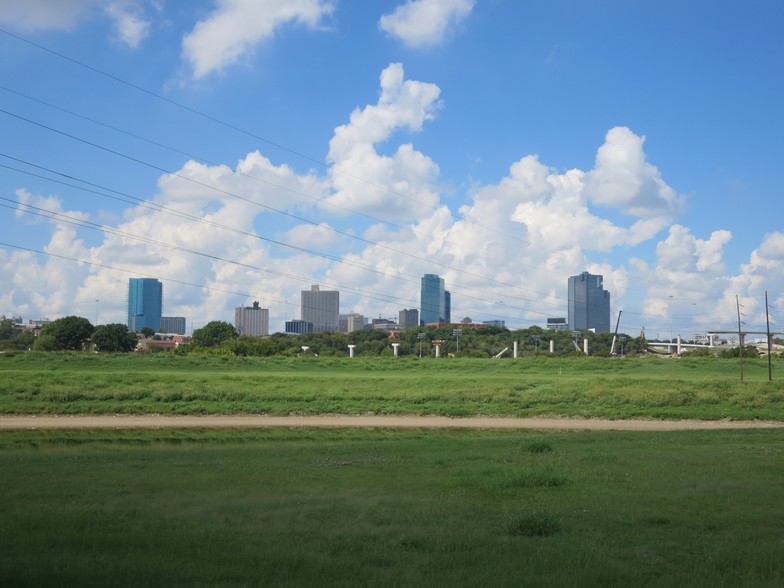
(173, 324)
(145, 304)
(321, 308)
(408, 318)
(298, 327)
(355, 322)
(589, 303)
(435, 302)
(252, 320)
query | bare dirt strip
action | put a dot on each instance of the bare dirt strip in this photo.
(364, 421)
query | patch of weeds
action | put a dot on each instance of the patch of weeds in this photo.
(506, 479)
(536, 523)
(539, 447)
(656, 520)
(534, 478)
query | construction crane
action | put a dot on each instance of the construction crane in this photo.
(615, 334)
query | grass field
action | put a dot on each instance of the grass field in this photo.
(391, 508)
(704, 388)
(362, 507)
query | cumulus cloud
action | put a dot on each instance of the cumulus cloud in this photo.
(421, 23)
(682, 251)
(623, 179)
(398, 186)
(235, 27)
(505, 253)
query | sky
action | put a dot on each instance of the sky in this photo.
(242, 150)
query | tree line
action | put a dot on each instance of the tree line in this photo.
(73, 333)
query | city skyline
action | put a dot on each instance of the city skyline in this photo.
(500, 145)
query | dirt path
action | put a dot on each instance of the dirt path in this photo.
(363, 421)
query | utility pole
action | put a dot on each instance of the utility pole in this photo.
(767, 322)
(740, 337)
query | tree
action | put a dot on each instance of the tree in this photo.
(6, 328)
(22, 340)
(46, 343)
(213, 333)
(147, 332)
(69, 332)
(114, 338)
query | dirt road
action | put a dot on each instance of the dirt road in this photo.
(363, 421)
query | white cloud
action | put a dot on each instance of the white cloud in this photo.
(396, 187)
(623, 179)
(320, 237)
(130, 23)
(421, 23)
(235, 27)
(681, 251)
(506, 255)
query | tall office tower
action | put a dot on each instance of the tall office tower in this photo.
(435, 302)
(173, 324)
(252, 320)
(408, 318)
(145, 303)
(322, 308)
(589, 304)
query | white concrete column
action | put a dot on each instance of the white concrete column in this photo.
(351, 350)
(438, 351)
(679, 345)
(552, 346)
(514, 352)
(394, 348)
(585, 346)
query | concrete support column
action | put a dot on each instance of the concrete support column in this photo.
(585, 346)
(438, 351)
(394, 348)
(552, 346)
(678, 349)
(351, 350)
(514, 353)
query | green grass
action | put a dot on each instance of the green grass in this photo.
(304, 507)
(706, 388)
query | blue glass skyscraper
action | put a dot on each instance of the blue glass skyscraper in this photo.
(145, 304)
(435, 301)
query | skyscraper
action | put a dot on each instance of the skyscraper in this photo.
(408, 318)
(173, 324)
(145, 303)
(252, 320)
(589, 303)
(321, 308)
(435, 301)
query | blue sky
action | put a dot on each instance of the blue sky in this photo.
(242, 150)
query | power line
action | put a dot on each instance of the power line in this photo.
(236, 128)
(273, 209)
(279, 146)
(124, 197)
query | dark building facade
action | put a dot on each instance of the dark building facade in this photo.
(589, 303)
